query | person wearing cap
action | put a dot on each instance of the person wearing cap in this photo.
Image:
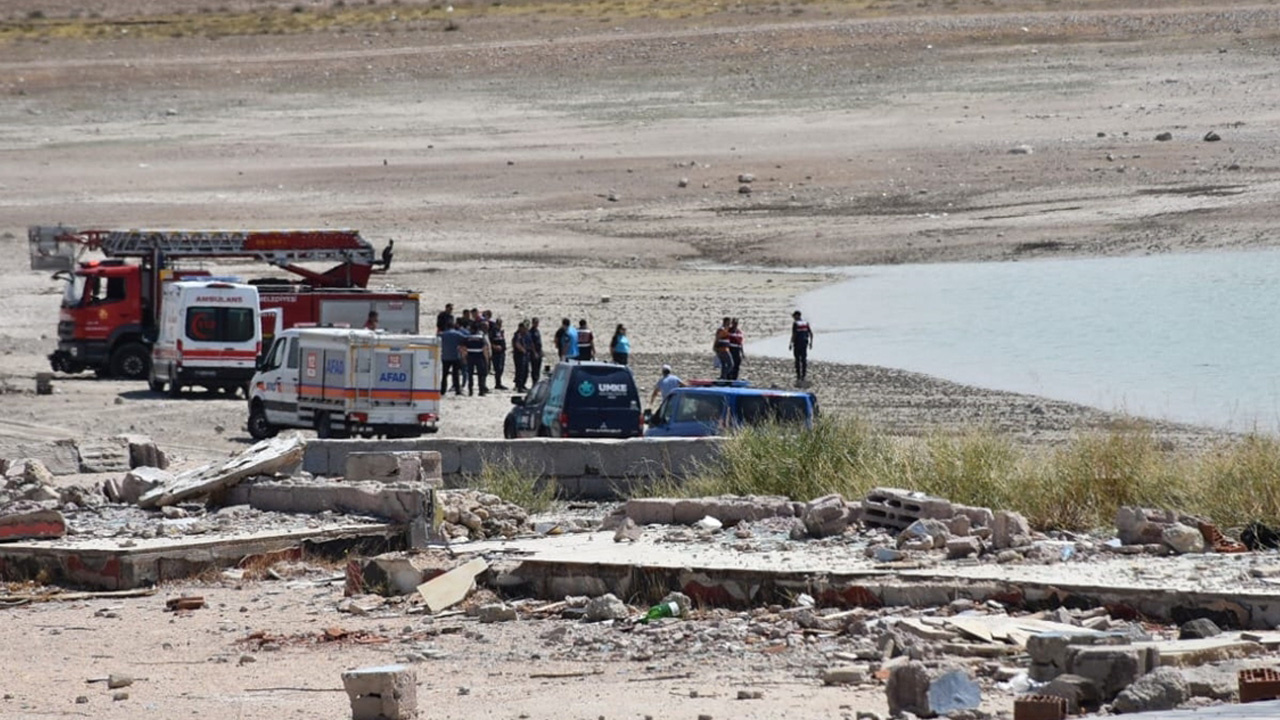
(801, 342)
(665, 385)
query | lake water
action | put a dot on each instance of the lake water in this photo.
(1191, 338)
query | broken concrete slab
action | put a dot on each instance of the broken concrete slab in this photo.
(280, 454)
(914, 688)
(396, 573)
(397, 504)
(30, 521)
(395, 467)
(1161, 689)
(136, 483)
(451, 588)
(1187, 653)
(100, 456)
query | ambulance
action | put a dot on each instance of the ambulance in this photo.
(209, 335)
(344, 382)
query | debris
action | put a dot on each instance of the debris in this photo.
(361, 604)
(1257, 536)
(914, 688)
(1183, 539)
(924, 535)
(186, 602)
(449, 589)
(265, 458)
(389, 692)
(896, 509)
(1161, 689)
(709, 524)
(29, 520)
(750, 694)
(826, 516)
(628, 530)
(567, 674)
(1198, 629)
(117, 681)
(606, 607)
(844, 675)
(1081, 693)
(1218, 542)
(1010, 530)
(495, 612)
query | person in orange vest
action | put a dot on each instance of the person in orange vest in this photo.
(721, 349)
(736, 338)
(801, 342)
(586, 342)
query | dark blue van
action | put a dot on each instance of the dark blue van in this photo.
(579, 400)
(716, 408)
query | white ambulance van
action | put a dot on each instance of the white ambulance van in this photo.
(343, 382)
(209, 335)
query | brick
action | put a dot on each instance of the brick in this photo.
(1039, 707)
(1259, 684)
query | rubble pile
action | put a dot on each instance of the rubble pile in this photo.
(474, 515)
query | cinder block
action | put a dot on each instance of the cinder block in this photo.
(895, 508)
(1111, 668)
(1039, 707)
(389, 692)
(1259, 684)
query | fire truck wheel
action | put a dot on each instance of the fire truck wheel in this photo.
(259, 428)
(131, 362)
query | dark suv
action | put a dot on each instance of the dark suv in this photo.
(580, 400)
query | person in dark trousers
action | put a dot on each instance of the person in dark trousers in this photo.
(371, 322)
(444, 319)
(736, 339)
(535, 352)
(586, 342)
(620, 345)
(451, 349)
(721, 349)
(801, 342)
(562, 338)
(498, 352)
(478, 358)
(520, 355)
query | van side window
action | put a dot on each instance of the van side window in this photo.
(274, 357)
(293, 353)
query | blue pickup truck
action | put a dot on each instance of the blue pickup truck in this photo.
(704, 408)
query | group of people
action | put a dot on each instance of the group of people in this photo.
(729, 341)
(473, 346)
(579, 343)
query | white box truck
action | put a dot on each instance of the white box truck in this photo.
(209, 334)
(344, 382)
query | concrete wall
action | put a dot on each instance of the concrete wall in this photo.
(595, 469)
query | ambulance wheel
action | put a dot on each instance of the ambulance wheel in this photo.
(259, 428)
(131, 361)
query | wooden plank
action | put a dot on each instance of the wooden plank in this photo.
(444, 591)
(265, 458)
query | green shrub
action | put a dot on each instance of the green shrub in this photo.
(515, 485)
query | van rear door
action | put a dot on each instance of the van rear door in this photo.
(602, 401)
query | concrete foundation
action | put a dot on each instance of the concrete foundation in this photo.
(397, 504)
(588, 469)
(718, 574)
(105, 565)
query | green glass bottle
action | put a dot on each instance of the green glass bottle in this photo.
(662, 610)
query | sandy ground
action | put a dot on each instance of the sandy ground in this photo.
(542, 157)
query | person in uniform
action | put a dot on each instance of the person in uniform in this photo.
(586, 342)
(535, 352)
(736, 339)
(452, 346)
(498, 352)
(801, 342)
(477, 346)
(520, 355)
(444, 319)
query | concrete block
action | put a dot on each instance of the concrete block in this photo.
(913, 688)
(651, 511)
(633, 459)
(896, 508)
(395, 466)
(1049, 650)
(977, 516)
(135, 483)
(1080, 693)
(29, 521)
(382, 693)
(393, 503)
(1111, 668)
(143, 452)
(1161, 689)
(689, 511)
(826, 516)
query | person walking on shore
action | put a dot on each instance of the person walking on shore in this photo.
(801, 342)
(668, 382)
(620, 345)
(721, 348)
(535, 352)
(736, 339)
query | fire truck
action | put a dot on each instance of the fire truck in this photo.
(110, 307)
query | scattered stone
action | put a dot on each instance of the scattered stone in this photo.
(1161, 689)
(135, 483)
(746, 178)
(606, 607)
(82, 700)
(1081, 693)
(1010, 530)
(1164, 137)
(963, 547)
(826, 516)
(1183, 539)
(913, 688)
(925, 534)
(1212, 136)
(117, 697)
(496, 612)
(750, 694)
(843, 675)
(361, 605)
(1198, 628)
(382, 693)
(628, 531)
(1021, 150)
(118, 680)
